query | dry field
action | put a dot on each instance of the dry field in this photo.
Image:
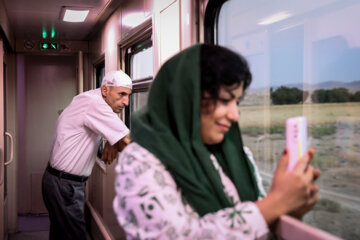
(335, 132)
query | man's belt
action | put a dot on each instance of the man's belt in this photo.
(66, 175)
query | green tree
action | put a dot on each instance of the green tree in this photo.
(334, 95)
(356, 97)
(284, 95)
(339, 95)
(320, 96)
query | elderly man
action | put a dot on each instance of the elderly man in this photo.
(90, 116)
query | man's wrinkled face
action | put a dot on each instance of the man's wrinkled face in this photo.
(116, 97)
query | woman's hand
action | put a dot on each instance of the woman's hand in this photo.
(294, 187)
(314, 193)
(290, 191)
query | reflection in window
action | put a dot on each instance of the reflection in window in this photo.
(139, 65)
(304, 56)
(138, 100)
(142, 64)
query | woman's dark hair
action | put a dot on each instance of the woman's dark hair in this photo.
(221, 67)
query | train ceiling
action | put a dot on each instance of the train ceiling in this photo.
(29, 18)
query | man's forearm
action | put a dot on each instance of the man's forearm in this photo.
(122, 143)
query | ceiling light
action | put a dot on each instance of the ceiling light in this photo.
(274, 18)
(73, 14)
(135, 19)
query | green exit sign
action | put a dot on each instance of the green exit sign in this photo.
(49, 46)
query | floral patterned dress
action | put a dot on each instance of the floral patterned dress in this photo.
(149, 205)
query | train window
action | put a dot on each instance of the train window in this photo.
(142, 64)
(142, 74)
(304, 59)
(100, 73)
(139, 65)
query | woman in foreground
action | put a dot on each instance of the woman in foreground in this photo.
(186, 175)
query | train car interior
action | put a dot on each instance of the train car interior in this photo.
(303, 55)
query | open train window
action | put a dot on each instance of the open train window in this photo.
(137, 56)
(304, 59)
(139, 65)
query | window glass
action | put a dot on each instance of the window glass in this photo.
(139, 65)
(100, 73)
(142, 64)
(138, 99)
(304, 57)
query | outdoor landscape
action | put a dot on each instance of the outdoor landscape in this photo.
(334, 131)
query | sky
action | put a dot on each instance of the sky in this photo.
(319, 41)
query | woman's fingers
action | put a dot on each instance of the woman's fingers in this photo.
(314, 198)
(316, 174)
(309, 174)
(311, 153)
(283, 162)
(304, 161)
(296, 188)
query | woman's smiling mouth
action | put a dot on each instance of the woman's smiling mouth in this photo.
(224, 127)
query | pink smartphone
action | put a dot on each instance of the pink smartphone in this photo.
(296, 136)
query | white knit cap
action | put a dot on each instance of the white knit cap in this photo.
(117, 79)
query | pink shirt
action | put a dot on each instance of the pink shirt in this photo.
(149, 205)
(78, 131)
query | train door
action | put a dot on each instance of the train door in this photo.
(4, 161)
(47, 85)
(2, 145)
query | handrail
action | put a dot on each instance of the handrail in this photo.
(291, 228)
(11, 149)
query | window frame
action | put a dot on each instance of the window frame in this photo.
(212, 12)
(128, 46)
(139, 85)
(99, 64)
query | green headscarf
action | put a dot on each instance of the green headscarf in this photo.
(169, 127)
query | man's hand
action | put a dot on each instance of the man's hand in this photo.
(122, 143)
(109, 153)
